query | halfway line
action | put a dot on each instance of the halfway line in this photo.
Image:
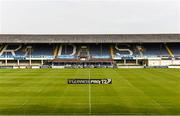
(89, 93)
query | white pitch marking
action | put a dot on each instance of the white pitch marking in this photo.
(89, 93)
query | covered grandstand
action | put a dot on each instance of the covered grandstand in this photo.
(89, 51)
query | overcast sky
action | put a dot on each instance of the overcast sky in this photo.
(89, 16)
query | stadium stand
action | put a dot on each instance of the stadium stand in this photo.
(175, 49)
(94, 54)
(100, 51)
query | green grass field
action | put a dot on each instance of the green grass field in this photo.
(133, 91)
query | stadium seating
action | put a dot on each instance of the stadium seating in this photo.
(42, 50)
(154, 50)
(36, 51)
(175, 49)
(95, 51)
(67, 49)
(100, 51)
(123, 51)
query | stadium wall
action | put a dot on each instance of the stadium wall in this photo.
(159, 62)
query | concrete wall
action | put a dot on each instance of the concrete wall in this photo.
(154, 62)
(158, 62)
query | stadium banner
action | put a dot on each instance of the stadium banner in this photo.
(89, 81)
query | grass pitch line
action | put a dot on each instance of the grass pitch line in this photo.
(89, 93)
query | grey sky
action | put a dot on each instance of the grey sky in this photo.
(89, 16)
